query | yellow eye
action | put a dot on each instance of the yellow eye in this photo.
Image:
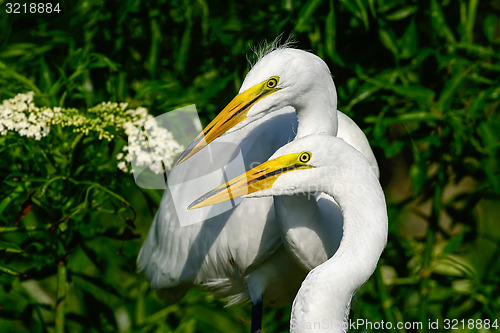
(305, 157)
(272, 82)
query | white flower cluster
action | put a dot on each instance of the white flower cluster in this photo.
(150, 145)
(21, 115)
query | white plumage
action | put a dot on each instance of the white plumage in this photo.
(247, 250)
(323, 300)
(337, 169)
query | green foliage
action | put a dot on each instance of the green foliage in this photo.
(420, 77)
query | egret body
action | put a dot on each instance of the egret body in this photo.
(247, 250)
(327, 164)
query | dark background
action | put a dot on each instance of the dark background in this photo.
(421, 78)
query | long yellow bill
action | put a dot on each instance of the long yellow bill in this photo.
(259, 178)
(231, 115)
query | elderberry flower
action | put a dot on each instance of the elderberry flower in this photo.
(150, 145)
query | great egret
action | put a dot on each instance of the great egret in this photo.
(323, 163)
(241, 252)
(285, 77)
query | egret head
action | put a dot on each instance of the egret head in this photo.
(291, 170)
(298, 75)
(283, 77)
(316, 163)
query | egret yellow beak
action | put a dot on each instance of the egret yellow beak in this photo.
(259, 178)
(231, 115)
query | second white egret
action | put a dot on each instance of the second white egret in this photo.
(327, 164)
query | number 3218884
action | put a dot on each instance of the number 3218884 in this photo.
(32, 8)
(455, 324)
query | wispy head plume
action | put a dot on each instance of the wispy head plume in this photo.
(264, 48)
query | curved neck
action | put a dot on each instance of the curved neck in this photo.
(325, 295)
(317, 109)
(311, 226)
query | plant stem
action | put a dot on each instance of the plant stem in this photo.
(61, 297)
(385, 298)
(425, 276)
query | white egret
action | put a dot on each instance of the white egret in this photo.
(281, 78)
(323, 163)
(245, 251)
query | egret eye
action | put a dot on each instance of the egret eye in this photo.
(305, 157)
(272, 82)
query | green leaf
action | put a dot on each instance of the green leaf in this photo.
(102, 291)
(11, 74)
(9, 248)
(160, 315)
(388, 38)
(102, 61)
(471, 19)
(420, 94)
(439, 22)
(331, 35)
(478, 50)
(8, 270)
(418, 176)
(401, 13)
(17, 50)
(214, 320)
(409, 42)
(305, 14)
(363, 13)
(362, 94)
(451, 87)
(152, 59)
(453, 244)
(15, 193)
(489, 28)
(358, 9)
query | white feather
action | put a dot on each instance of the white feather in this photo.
(245, 250)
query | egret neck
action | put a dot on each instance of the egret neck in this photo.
(317, 108)
(324, 298)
